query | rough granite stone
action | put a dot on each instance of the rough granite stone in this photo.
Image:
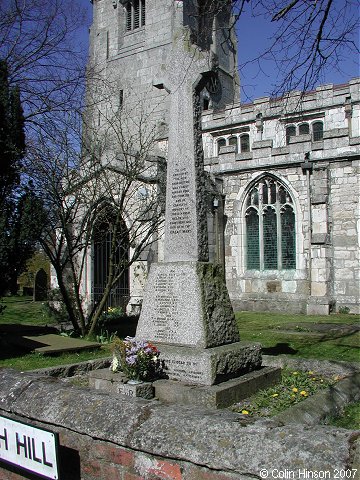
(118, 383)
(217, 396)
(218, 440)
(210, 365)
(186, 307)
(187, 303)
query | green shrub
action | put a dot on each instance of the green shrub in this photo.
(111, 315)
(344, 310)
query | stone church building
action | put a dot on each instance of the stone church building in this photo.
(284, 215)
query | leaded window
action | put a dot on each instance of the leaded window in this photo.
(110, 258)
(270, 227)
(290, 132)
(220, 143)
(304, 129)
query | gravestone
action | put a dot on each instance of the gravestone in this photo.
(40, 285)
(186, 309)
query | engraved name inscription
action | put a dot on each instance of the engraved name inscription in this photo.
(179, 369)
(166, 322)
(180, 216)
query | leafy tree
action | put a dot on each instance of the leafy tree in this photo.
(12, 136)
(12, 208)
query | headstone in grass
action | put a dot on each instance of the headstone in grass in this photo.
(40, 285)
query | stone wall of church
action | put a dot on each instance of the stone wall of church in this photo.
(276, 139)
(344, 192)
(130, 61)
(321, 173)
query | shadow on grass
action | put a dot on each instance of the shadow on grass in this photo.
(279, 349)
(330, 345)
(11, 335)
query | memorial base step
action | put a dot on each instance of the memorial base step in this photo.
(217, 396)
(209, 366)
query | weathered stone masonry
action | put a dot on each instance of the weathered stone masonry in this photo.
(321, 175)
(307, 144)
(106, 436)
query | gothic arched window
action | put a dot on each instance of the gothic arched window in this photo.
(270, 227)
(110, 257)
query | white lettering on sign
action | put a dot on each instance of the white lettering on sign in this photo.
(31, 448)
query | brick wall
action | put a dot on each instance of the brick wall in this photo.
(90, 459)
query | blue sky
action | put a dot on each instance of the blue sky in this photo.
(257, 80)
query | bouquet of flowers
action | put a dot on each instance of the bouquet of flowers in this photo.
(139, 360)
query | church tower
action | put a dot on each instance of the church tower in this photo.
(130, 41)
(134, 47)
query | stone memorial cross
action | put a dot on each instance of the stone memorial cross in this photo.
(186, 308)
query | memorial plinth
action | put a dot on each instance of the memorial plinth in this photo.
(187, 304)
(187, 313)
(186, 309)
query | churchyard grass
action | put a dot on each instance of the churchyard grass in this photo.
(295, 386)
(328, 337)
(33, 361)
(278, 333)
(350, 417)
(22, 310)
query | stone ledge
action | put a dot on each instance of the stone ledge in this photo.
(118, 383)
(354, 141)
(216, 439)
(324, 367)
(70, 370)
(217, 396)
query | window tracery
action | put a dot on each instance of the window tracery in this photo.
(270, 227)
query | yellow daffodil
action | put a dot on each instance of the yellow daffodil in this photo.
(275, 395)
(244, 412)
(295, 390)
(295, 373)
(304, 393)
